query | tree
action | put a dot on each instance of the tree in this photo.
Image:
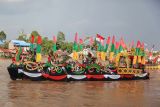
(2, 36)
(22, 37)
(5, 45)
(35, 34)
(46, 45)
(60, 40)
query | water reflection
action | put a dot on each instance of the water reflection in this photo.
(141, 93)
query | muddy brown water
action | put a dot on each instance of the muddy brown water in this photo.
(137, 93)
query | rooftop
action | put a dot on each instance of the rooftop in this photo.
(20, 43)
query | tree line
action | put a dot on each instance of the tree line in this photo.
(46, 43)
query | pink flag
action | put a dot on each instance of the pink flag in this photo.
(54, 39)
(142, 45)
(113, 39)
(102, 42)
(117, 45)
(76, 38)
(122, 43)
(80, 41)
(138, 44)
(108, 40)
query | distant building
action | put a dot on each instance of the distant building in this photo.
(18, 43)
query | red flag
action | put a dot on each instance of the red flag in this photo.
(117, 45)
(76, 38)
(39, 40)
(113, 40)
(138, 44)
(80, 41)
(100, 37)
(142, 45)
(108, 40)
(122, 43)
(32, 39)
(54, 39)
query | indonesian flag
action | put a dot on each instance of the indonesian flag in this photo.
(99, 38)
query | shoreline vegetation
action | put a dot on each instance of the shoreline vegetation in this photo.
(47, 43)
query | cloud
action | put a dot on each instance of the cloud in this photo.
(138, 20)
(12, 1)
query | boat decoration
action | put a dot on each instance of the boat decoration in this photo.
(108, 62)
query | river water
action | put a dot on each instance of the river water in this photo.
(138, 93)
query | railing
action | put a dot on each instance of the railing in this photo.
(152, 67)
(128, 71)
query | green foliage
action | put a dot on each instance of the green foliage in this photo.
(60, 40)
(5, 45)
(35, 34)
(46, 45)
(2, 36)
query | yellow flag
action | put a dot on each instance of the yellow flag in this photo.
(103, 56)
(139, 59)
(75, 55)
(111, 56)
(117, 59)
(38, 57)
(143, 60)
(135, 60)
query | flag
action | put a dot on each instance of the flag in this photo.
(112, 48)
(18, 53)
(107, 44)
(39, 40)
(32, 45)
(81, 44)
(117, 48)
(99, 38)
(122, 45)
(54, 47)
(137, 57)
(138, 48)
(117, 53)
(75, 45)
(38, 49)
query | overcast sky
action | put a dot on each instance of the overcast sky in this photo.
(132, 19)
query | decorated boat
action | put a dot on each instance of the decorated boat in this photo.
(104, 63)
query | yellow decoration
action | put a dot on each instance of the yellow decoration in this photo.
(38, 57)
(135, 60)
(111, 56)
(117, 59)
(139, 59)
(98, 55)
(129, 71)
(143, 60)
(103, 56)
(75, 55)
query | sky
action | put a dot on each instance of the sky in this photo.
(130, 19)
